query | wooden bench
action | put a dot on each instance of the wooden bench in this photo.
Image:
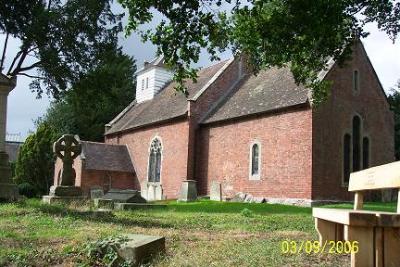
(377, 233)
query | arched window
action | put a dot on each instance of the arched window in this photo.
(155, 161)
(356, 143)
(356, 150)
(365, 153)
(255, 161)
(346, 158)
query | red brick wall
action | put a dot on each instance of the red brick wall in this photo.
(174, 139)
(208, 99)
(108, 180)
(87, 179)
(334, 118)
(285, 140)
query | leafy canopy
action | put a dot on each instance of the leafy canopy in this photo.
(394, 101)
(304, 33)
(63, 37)
(95, 99)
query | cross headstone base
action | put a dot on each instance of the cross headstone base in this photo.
(63, 194)
(8, 190)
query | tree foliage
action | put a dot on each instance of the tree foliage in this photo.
(95, 99)
(303, 34)
(394, 101)
(35, 163)
(64, 37)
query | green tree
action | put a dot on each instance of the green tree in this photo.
(96, 98)
(64, 37)
(394, 101)
(35, 163)
(303, 34)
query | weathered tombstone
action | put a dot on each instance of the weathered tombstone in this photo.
(248, 199)
(141, 249)
(119, 196)
(188, 191)
(67, 148)
(96, 192)
(239, 197)
(216, 191)
(8, 190)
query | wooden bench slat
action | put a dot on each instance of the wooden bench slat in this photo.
(380, 177)
(346, 217)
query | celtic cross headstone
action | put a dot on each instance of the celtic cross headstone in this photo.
(67, 148)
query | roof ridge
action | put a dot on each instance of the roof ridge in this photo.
(227, 62)
(100, 143)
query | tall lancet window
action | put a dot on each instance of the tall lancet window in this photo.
(356, 143)
(155, 161)
(255, 161)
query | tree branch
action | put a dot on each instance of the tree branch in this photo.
(4, 52)
(31, 76)
(34, 65)
(13, 62)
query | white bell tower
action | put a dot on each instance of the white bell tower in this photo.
(151, 79)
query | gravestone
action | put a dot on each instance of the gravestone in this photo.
(8, 190)
(216, 191)
(67, 148)
(96, 192)
(188, 191)
(141, 249)
(118, 196)
(239, 197)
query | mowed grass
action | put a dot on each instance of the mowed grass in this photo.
(203, 233)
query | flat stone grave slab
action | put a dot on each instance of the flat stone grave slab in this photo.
(62, 200)
(140, 249)
(136, 206)
(118, 196)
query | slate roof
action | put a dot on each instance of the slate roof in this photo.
(106, 157)
(270, 90)
(12, 149)
(166, 105)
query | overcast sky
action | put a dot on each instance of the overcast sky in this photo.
(24, 107)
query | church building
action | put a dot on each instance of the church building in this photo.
(256, 134)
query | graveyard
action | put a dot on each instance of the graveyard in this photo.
(202, 233)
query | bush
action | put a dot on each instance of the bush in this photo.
(35, 163)
(26, 189)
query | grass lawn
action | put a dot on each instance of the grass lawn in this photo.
(203, 233)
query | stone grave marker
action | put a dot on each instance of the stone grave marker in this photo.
(67, 148)
(119, 196)
(96, 192)
(140, 249)
(188, 191)
(216, 191)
